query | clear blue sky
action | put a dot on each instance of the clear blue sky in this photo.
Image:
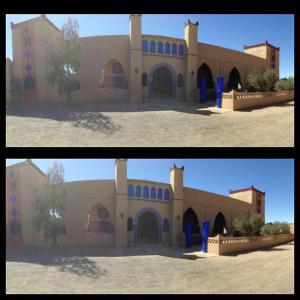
(229, 31)
(274, 176)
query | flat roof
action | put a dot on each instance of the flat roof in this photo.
(246, 189)
(266, 43)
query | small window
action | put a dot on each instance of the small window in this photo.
(146, 192)
(174, 49)
(167, 48)
(14, 227)
(138, 191)
(29, 83)
(130, 191)
(27, 41)
(160, 47)
(129, 224)
(159, 193)
(167, 194)
(152, 47)
(153, 193)
(145, 46)
(181, 50)
(166, 225)
(180, 82)
(13, 186)
(144, 79)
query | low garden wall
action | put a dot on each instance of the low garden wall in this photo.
(222, 245)
(237, 101)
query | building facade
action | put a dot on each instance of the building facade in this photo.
(134, 67)
(122, 212)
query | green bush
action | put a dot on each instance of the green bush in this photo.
(262, 81)
(247, 225)
(285, 84)
(275, 228)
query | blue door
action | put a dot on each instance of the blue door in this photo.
(205, 234)
(188, 234)
(220, 85)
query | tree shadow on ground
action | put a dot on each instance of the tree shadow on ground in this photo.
(92, 121)
(81, 266)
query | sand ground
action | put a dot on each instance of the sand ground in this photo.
(156, 123)
(151, 270)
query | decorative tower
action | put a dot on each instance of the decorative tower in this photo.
(121, 202)
(268, 52)
(191, 38)
(252, 196)
(176, 181)
(135, 31)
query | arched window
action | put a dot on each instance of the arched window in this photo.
(159, 193)
(99, 220)
(152, 46)
(153, 193)
(166, 194)
(180, 82)
(144, 79)
(113, 76)
(167, 48)
(160, 47)
(130, 224)
(130, 191)
(146, 192)
(174, 49)
(220, 224)
(138, 191)
(145, 46)
(191, 217)
(181, 50)
(166, 225)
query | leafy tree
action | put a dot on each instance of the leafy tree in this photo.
(49, 205)
(285, 84)
(242, 225)
(262, 81)
(256, 223)
(64, 62)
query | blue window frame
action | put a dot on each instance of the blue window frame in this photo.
(138, 191)
(166, 194)
(180, 82)
(159, 193)
(174, 49)
(166, 225)
(153, 193)
(145, 46)
(160, 47)
(130, 191)
(167, 48)
(152, 47)
(181, 50)
(146, 192)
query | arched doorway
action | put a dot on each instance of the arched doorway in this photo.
(148, 228)
(162, 85)
(234, 80)
(162, 81)
(220, 224)
(190, 216)
(205, 72)
(113, 75)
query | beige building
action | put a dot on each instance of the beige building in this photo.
(123, 211)
(134, 67)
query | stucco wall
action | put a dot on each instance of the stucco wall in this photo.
(8, 77)
(238, 101)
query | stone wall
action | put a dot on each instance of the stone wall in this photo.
(222, 245)
(238, 101)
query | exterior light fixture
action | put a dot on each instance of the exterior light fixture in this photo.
(136, 70)
(178, 217)
(193, 73)
(122, 215)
